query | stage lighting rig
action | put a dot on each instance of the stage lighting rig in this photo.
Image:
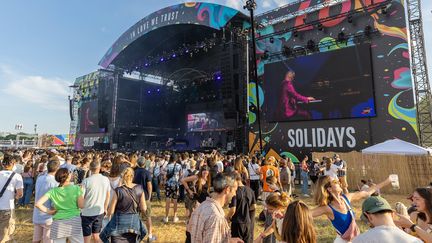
(287, 51)
(265, 56)
(311, 46)
(368, 31)
(341, 37)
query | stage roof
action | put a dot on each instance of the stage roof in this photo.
(167, 27)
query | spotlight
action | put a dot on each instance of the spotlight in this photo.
(158, 90)
(311, 45)
(287, 51)
(148, 92)
(173, 55)
(271, 40)
(368, 31)
(341, 37)
(162, 59)
(146, 64)
(265, 56)
(187, 50)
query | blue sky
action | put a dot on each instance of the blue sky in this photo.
(45, 45)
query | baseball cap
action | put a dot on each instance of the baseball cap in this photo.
(374, 204)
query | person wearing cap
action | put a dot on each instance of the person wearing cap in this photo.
(341, 173)
(379, 214)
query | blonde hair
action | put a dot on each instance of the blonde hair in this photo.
(133, 159)
(127, 176)
(297, 225)
(321, 196)
(239, 167)
(278, 200)
(328, 163)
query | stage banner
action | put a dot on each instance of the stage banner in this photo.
(348, 96)
(207, 14)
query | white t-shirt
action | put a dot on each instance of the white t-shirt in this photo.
(385, 234)
(252, 168)
(220, 166)
(332, 172)
(95, 189)
(7, 200)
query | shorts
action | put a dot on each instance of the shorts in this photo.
(148, 211)
(7, 225)
(41, 233)
(172, 191)
(91, 224)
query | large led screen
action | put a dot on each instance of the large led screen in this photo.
(89, 118)
(199, 122)
(329, 85)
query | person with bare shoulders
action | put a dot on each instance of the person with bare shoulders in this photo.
(336, 206)
(128, 200)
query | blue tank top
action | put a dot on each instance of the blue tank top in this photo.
(341, 221)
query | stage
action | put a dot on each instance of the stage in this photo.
(331, 77)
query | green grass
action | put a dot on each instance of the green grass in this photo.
(175, 232)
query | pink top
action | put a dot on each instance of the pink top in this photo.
(289, 99)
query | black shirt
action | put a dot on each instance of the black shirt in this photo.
(243, 201)
(125, 202)
(141, 177)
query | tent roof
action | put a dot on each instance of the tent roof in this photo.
(396, 146)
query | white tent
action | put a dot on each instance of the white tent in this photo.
(396, 146)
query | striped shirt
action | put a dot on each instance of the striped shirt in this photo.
(208, 224)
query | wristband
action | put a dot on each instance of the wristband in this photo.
(412, 228)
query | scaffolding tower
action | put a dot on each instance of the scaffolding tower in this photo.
(420, 73)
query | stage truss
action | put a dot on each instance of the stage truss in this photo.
(420, 73)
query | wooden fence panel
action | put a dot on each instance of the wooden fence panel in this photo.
(413, 171)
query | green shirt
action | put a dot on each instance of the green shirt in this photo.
(65, 201)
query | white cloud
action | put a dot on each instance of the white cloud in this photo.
(48, 93)
(237, 4)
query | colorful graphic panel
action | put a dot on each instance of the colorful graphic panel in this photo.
(394, 115)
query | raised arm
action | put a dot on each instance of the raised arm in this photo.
(352, 197)
(319, 211)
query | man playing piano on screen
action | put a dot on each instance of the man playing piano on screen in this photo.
(289, 99)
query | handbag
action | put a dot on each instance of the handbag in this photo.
(353, 229)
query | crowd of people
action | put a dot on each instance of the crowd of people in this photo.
(106, 196)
